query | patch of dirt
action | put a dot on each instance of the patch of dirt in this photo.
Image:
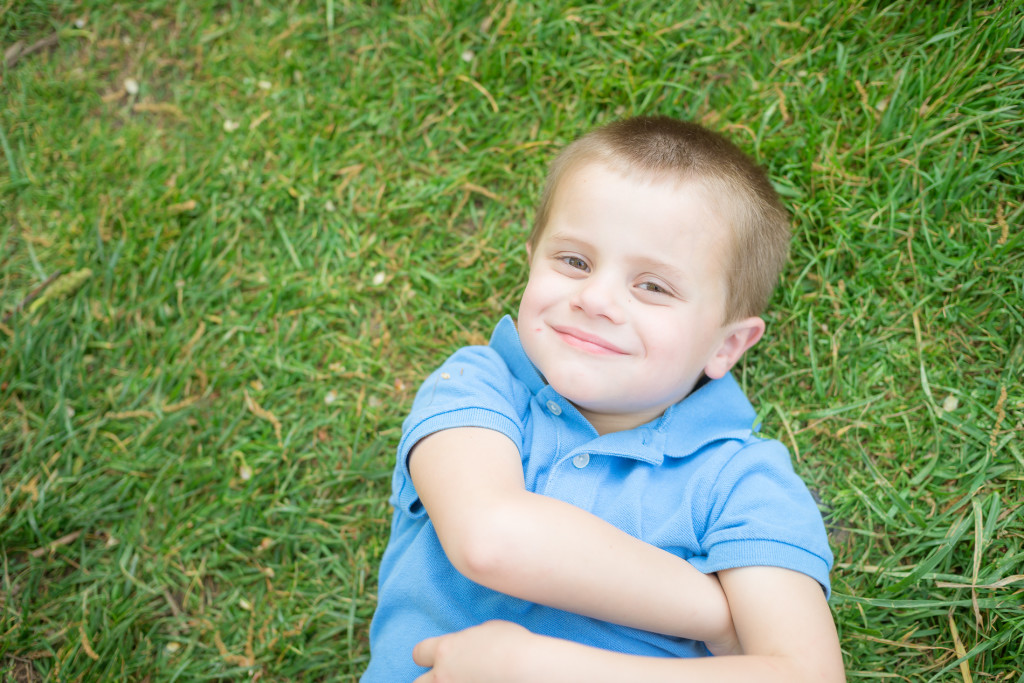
(21, 669)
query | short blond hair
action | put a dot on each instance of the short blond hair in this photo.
(665, 148)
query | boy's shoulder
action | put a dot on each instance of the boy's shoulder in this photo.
(477, 386)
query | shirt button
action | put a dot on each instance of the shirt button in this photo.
(581, 460)
(554, 408)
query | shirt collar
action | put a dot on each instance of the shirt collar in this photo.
(505, 340)
(718, 410)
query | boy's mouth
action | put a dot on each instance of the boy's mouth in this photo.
(585, 341)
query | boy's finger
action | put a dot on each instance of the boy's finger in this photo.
(424, 652)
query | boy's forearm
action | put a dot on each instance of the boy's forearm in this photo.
(553, 553)
(559, 660)
(782, 620)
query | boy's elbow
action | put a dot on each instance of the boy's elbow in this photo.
(479, 561)
(484, 548)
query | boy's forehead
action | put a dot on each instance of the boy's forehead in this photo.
(625, 176)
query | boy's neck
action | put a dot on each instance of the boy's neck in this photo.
(607, 423)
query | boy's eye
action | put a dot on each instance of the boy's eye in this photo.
(575, 262)
(653, 287)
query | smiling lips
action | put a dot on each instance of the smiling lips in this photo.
(587, 342)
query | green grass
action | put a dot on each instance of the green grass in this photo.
(306, 206)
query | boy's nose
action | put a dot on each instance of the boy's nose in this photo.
(599, 298)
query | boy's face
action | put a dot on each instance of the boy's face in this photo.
(625, 303)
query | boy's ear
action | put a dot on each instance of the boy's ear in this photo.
(739, 336)
(529, 253)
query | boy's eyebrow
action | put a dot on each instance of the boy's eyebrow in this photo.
(558, 237)
(665, 267)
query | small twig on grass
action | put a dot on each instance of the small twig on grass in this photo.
(63, 540)
(32, 296)
(19, 49)
(263, 414)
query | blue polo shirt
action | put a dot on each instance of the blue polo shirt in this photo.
(696, 482)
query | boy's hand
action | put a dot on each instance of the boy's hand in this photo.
(482, 654)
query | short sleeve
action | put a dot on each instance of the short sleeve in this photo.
(758, 512)
(473, 388)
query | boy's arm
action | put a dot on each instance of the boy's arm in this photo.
(782, 618)
(543, 550)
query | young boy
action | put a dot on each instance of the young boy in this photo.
(583, 499)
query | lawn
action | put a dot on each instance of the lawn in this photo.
(234, 237)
